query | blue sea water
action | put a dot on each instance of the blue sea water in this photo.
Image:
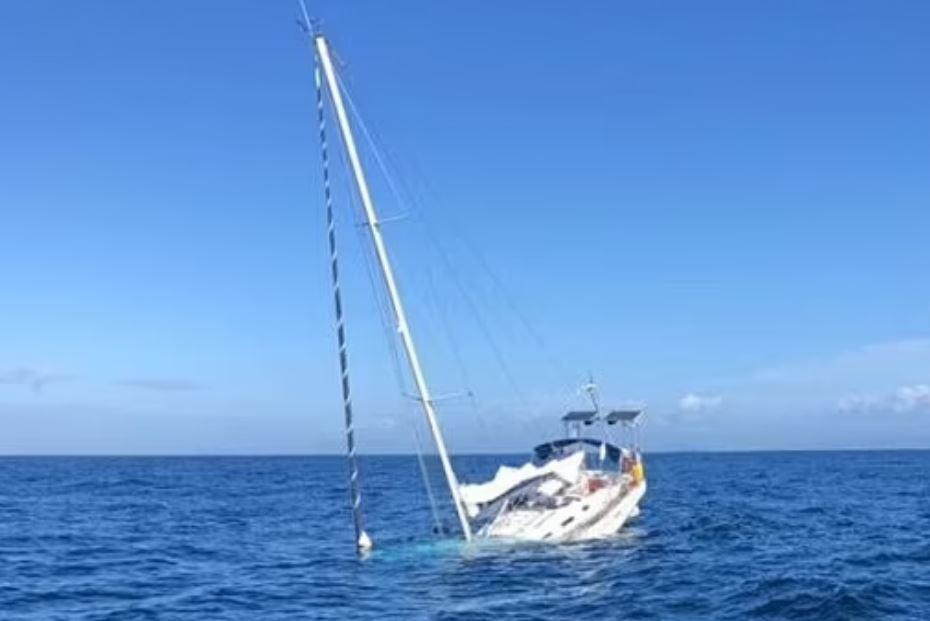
(842, 535)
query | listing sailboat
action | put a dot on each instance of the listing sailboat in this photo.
(574, 488)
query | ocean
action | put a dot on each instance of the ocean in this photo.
(806, 535)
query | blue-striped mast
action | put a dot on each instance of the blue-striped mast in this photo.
(363, 541)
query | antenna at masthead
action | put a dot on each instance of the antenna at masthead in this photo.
(310, 26)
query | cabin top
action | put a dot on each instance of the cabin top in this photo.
(566, 446)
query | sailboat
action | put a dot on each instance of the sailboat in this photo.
(574, 488)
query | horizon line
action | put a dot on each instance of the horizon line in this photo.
(914, 449)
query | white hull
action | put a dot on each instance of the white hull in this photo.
(594, 516)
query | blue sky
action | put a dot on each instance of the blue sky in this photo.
(719, 210)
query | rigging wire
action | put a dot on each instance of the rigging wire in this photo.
(441, 311)
(437, 246)
(388, 332)
(556, 367)
(424, 473)
(433, 239)
(568, 392)
(412, 201)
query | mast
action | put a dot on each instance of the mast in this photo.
(362, 540)
(400, 316)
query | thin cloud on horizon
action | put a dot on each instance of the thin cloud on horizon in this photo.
(161, 384)
(33, 378)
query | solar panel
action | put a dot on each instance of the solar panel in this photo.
(580, 416)
(623, 416)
